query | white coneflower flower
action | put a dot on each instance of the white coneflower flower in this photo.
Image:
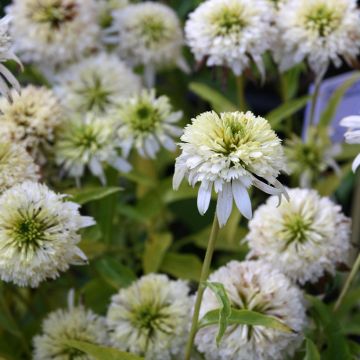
(38, 234)
(231, 33)
(52, 32)
(16, 165)
(74, 323)
(30, 118)
(304, 238)
(6, 53)
(232, 152)
(88, 141)
(256, 286)
(151, 317)
(106, 8)
(352, 136)
(319, 31)
(96, 84)
(149, 34)
(146, 122)
(308, 160)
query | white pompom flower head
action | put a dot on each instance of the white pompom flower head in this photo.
(230, 152)
(232, 33)
(318, 31)
(352, 135)
(38, 234)
(304, 238)
(88, 142)
(151, 317)
(147, 122)
(254, 286)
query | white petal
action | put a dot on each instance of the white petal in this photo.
(356, 163)
(204, 196)
(224, 204)
(120, 164)
(351, 121)
(178, 175)
(242, 199)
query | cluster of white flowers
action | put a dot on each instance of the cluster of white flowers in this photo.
(256, 286)
(31, 118)
(146, 122)
(151, 317)
(230, 152)
(96, 84)
(318, 31)
(52, 32)
(38, 234)
(88, 141)
(304, 237)
(231, 33)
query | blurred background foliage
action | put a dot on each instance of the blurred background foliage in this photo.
(143, 226)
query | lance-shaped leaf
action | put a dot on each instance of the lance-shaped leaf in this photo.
(312, 352)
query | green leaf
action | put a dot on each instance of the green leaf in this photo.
(114, 273)
(155, 249)
(218, 102)
(88, 194)
(312, 352)
(337, 345)
(184, 266)
(244, 317)
(7, 321)
(101, 352)
(285, 110)
(335, 99)
(225, 307)
(355, 349)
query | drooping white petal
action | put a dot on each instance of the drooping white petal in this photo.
(204, 196)
(352, 121)
(356, 163)
(224, 204)
(242, 199)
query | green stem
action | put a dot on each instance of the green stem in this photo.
(203, 277)
(314, 101)
(240, 90)
(355, 240)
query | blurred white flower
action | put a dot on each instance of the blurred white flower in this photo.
(352, 136)
(6, 53)
(231, 33)
(146, 122)
(151, 317)
(319, 31)
(232, 152)
(74, 323)
(148, 34)
(31, 118)
(38, 234)
(106, 8)
(304, 238)
(53, 32)
(96, 84)
(16, 165)
(256, 286)
(88, 141)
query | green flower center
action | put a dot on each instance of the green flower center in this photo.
(87, 139)
(54, 13)
(153, 30)
(95, 96)
(145, 118)
(228, 21)
(323, 20)
(295, 229)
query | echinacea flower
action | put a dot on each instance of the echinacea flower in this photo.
(38, 234)
(149, 34)
(31, 118)
(231, 152)
(151, 317)
(88, 142)
(6, 53)
(352, 136)
(146, 123)
(318, 31)
(304, 238)
(256, 286)
(16, 165)
(96, 84)
(53, 32)
(231, 33)
(75, 323)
